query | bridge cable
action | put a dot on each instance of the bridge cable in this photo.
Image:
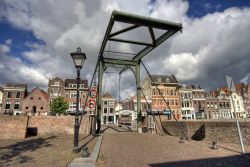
(150, 110)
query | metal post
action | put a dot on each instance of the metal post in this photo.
(138, 91)
(99, 98)
(76, 130)
(238, 127)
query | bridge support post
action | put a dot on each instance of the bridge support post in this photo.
(99, 96)
(138, 98)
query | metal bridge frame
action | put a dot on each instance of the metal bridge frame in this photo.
(134, 22)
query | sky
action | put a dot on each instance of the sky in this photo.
(37, 37)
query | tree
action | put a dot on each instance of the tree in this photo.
(58, 106)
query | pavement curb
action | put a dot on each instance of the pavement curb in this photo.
(91, 160)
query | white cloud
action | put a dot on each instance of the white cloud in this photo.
(208, 48)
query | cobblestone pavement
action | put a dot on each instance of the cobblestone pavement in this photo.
(42, 151)
(130, 149)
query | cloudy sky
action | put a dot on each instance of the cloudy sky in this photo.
(37, 36)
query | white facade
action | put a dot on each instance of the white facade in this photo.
(108, 110)
(187, 108)
(237, 106)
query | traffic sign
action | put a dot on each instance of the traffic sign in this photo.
(93, 93)
(91, 103)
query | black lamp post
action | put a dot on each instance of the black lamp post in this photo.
(78, 58)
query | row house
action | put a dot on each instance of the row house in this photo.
(67, 88)
(246, 97)
(224, 105)
(186, 97)
(199, 101)
(108, 109)
(13, 95)
(236, 101)
(169, 89)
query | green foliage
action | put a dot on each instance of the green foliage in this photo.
(58, 106)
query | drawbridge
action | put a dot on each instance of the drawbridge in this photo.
(128, 39)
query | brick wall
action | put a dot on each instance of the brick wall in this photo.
(14, 127)
(224, 131)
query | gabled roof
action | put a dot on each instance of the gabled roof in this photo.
(45, 95)
(107, 95)
(164, 78)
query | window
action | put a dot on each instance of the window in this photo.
(176, 103)
(111, 102)
(105, 102)
(26, 107)
(171, 92)
(39, 98)
(73, 95)
(17, 95)
(16, 106)
(158, 79)
(56, 83)
(167, 80)
(67, 95)
(31, 98)
(41, 108)
(9, 95)
(111, 110)
(105, 110)
(7, 106)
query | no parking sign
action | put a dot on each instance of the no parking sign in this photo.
(91, 103)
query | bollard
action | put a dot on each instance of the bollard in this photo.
(85, 153)
(181, 140)
(215, 147)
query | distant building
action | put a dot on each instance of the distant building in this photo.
(186, 96)
(13, 94)
(70, 93)
(169, 88)
(246, 98)
(131, 104)
(67, 88)
(236, 101)
(212, 106)
(199, 101)
(1, 97)
(224, 105)
(36, 103)
(108, 109)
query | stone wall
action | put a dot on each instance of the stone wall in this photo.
(220, 130)
(15, 127)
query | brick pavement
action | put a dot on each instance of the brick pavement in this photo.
(130, 149)
(42, 151)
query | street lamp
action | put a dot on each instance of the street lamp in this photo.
(78, 57)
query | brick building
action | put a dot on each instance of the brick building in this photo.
(70, 90)
(36, 103)
(169, 88)
(13, 94)
(67, 88)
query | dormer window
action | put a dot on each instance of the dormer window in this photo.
(159, 79)
(167, 80)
